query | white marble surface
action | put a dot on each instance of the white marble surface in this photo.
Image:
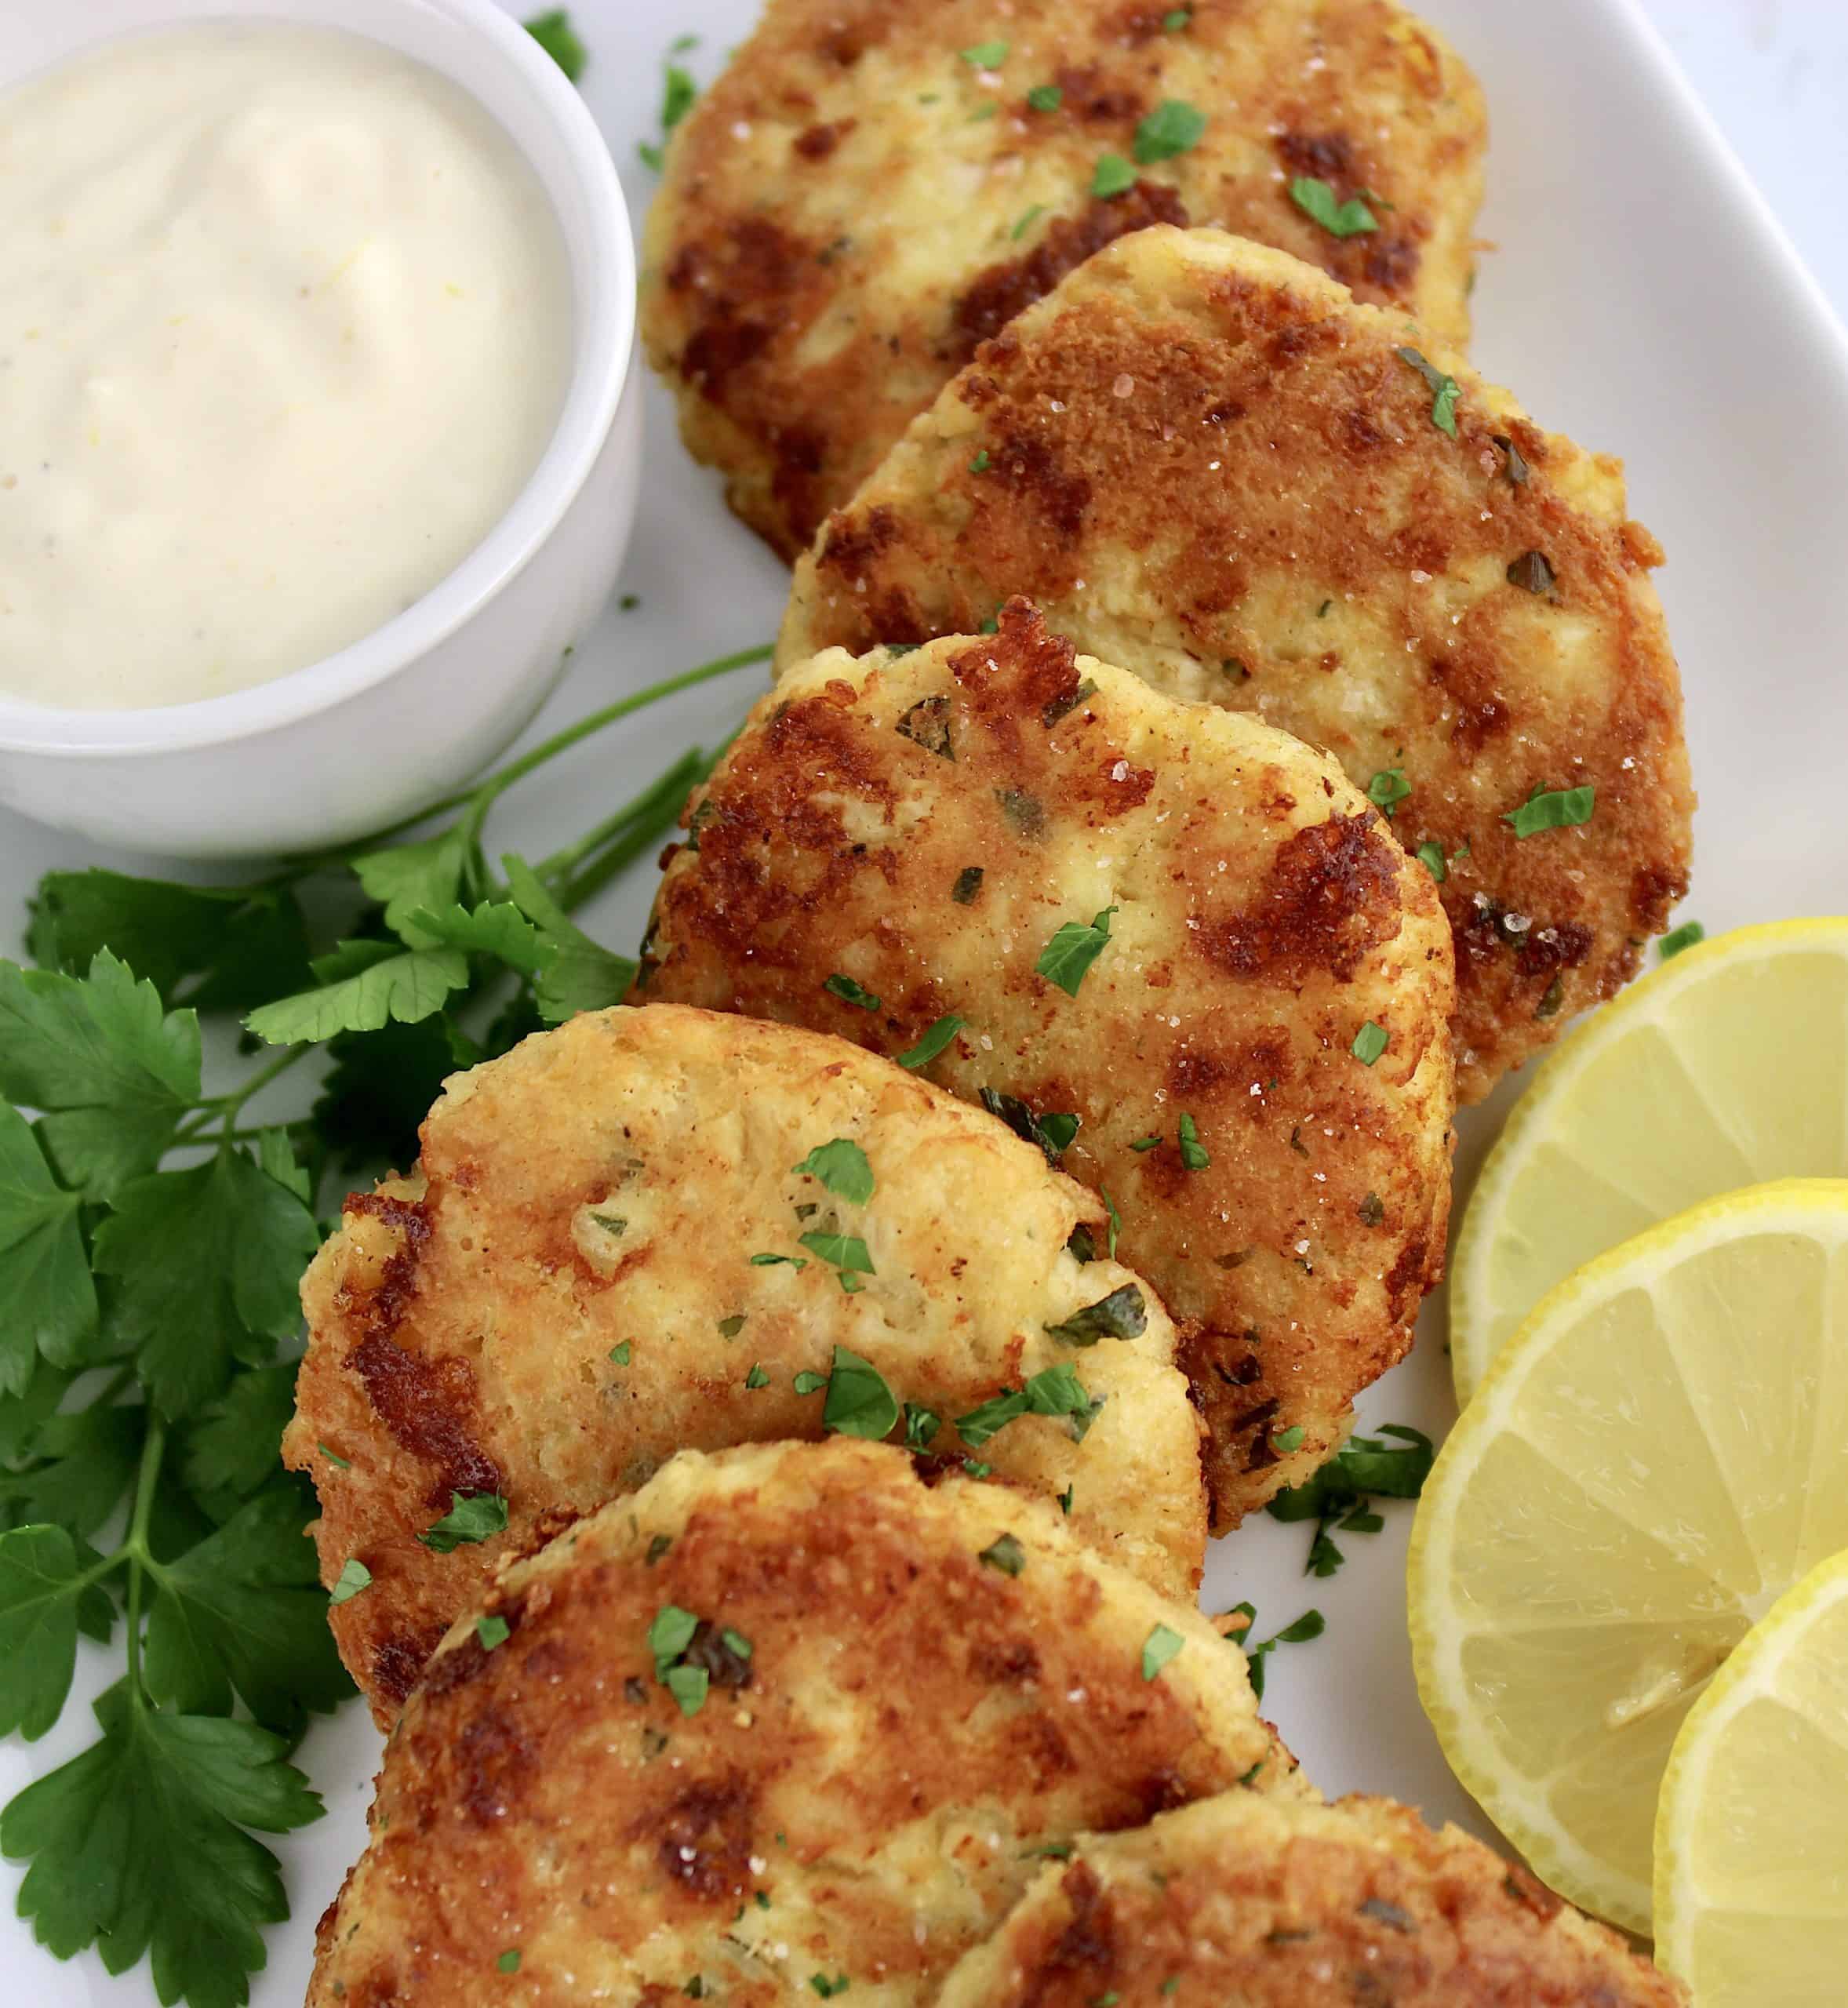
(1774, 75)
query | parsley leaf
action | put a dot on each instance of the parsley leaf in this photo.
(473, 1516)
(1431, 856)
(859, 1401)
(229, 1451)
(1123, 1315)
(45, 1274)
(206, 1262)
(842, 1168)
(407, 876)
(113, 1071)
(1555, 809)
(1071, 952)
(1172, 128)
(215, 947)
(1053, 1391)
(354, 1578)
(553, 32)
(1311, 1625)
(244, 1609)
(138, 1843)
(1193, 1153)
(363, 985)
(578, 974)
(497, 929)
(44, 1602)
(1316, 200)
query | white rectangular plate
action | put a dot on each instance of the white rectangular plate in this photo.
(1641, 298)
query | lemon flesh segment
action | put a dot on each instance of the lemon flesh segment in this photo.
(1752, 1832)
(1656, 1456)
(1725, 1066)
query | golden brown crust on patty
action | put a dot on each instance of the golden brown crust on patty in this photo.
(1240, 1902)
(1205, 463)
(853, 206)
(563, 1295)
(925, 823)
(892, 1729)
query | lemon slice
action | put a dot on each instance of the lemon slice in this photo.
(1726, 1066)
(1751, 1834)
(1656, 1457)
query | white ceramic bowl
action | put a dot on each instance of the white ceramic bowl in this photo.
(370, 734)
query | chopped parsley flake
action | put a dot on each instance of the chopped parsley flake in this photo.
(935, 1038)
(850, 992)
(1065, 1499)
(1311, 1625)
(736, 1642)
(1006, 1554)
(1071, 952)
(1028, 219)
(1533, 572)
(1123, 1315)
(1444, 390)
(768, 1261)
(1316, 200)
(981, 463)
(509, 1960)
(757, 1377)
(1517, 467)
(553, 32)
(1172, 128)
(1388, 789)
(688, 1685)
(1113, 176)
(1431, 856)
(346, 1464)
(1046, 97)
(620, 1354)
(1054, 1391)
(1159, 1647)
(354, 1576)
(1145, 1143)
(845, 1251)
(969, 882)
(1176, 19)
(860, 1403)
(1683, 936)
(1193, 1153)
(842, 1167)
(921, 1426)
(986, 55)
(810, 1383)
(729, 1327)
(1370, 1042)
(826, 1988)
(1290, 1439)
(491, 1631)
(1116, 1219)
(1553, 808)
(669, 1634)
(473, 1516)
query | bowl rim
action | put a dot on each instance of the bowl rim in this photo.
(604, 310)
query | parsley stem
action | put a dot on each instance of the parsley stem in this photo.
(641, 825)
(482, 796)
(135, 1545)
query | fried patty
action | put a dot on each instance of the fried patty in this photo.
(874, 186)
(1206, 462)
(783, 1722)
(600, 1260)
(1243, 1902)
(944, 834)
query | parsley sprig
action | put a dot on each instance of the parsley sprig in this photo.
(153, 1230)
(1339, 1497)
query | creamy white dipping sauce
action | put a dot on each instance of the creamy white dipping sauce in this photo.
(285, 326)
